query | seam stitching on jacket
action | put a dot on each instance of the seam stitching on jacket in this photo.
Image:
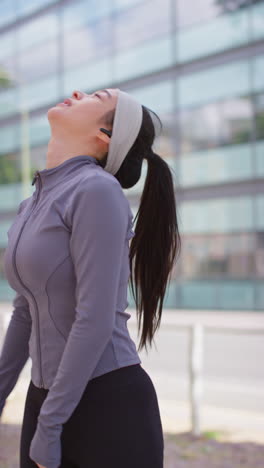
(112, 343)
(58, 266)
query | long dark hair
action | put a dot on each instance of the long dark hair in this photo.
(156, 244)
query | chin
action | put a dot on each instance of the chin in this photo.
(55, 110)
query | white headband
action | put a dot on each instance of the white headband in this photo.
(127, 123)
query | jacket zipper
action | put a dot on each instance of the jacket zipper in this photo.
(15, 268)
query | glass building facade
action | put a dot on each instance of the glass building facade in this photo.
(200, 65)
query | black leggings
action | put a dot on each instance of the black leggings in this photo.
(116, 424)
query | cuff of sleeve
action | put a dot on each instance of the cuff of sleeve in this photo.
(45, 447)
(2, 404)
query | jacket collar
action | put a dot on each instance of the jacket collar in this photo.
(49, 177)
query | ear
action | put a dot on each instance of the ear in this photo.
(103, 137)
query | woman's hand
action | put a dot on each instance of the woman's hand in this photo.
(40, 466)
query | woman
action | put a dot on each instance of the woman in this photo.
(90, 404)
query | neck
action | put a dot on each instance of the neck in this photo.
(59, 150)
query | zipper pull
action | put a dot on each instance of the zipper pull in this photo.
(36, 175)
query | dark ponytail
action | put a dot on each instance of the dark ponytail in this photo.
(156, 243)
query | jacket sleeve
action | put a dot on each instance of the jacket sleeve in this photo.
(98, 218)
(15, 349)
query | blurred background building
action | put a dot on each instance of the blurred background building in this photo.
(200, 65)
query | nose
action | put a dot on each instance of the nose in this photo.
(77, 94)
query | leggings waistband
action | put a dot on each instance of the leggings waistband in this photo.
(117, 376)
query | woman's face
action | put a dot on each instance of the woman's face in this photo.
(79, 115)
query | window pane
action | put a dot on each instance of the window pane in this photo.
(221, 123)
(8, 11)
(219, 215)
(230, 30)
(8, 138)
(39, 94)
(39, 61)
(260, 211)
(218, 255)
(79, 13)
(120, 4)
(200, 128)
(7, 45)
(258, 71)
(92, 41)
(259, 107)
(216, 166)
(10, 193)
(237, 120)
(129, 28)
(151, 56)
(219, 82)
(8, 102)
(259, 151)
(29, 6)
(158, 96)
(39, 30)
(236, 294)
(257, 12)
(198, 294)
(259, 255)
(200, 11)
(9, 67)
(39, 130)
(93, 75)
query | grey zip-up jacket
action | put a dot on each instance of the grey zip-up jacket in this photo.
(67, 258)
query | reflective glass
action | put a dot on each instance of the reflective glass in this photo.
(200, 11)
(216, 166)
(8, 138)
(8, 11)
(150, 56)
(258, 73)
(219, 123)
(129, 29)
(123, 4)
(217, 215)
(92, 41)
(219, 255)
(259, 109)
(8, 45)
(260, 212)
(259, 152)
(257, 20)
(39, 130)
(95, 74)
(29, 6)
(38, 30)
(10, 192)
(259, 254)
(39, 93)
(156, 96)
(8, 101)
(214, 83)
(39, 61)
(79, 13)
(227, 31)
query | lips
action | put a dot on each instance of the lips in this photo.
(67, 101)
